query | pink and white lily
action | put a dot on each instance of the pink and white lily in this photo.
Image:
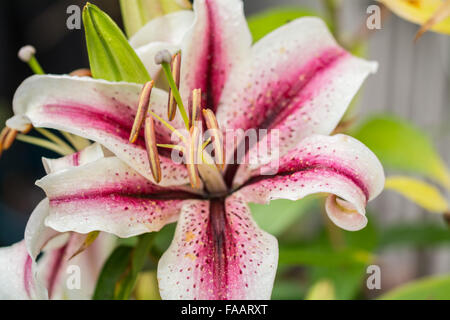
(297, 80)
(23, 278)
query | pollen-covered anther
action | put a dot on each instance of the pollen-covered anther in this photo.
(143, 105)
(175, 67)
(192, 157)
(196, 105)
(217, 137)
(152, 148)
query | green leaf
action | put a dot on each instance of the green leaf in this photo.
(111, 273)
(119, 274)
(110, 55)
(263, 23)
(277, 216)
(432, 288)
(347, 278)
(128, 281)
(322, 256)
(423, 234)
(402, 146)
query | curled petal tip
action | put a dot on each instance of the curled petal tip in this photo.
(26, 53)
(143, 105)
(152, 148)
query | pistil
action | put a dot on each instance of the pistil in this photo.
(165, 59)
(27, 54)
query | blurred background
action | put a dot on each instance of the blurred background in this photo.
(412, 82)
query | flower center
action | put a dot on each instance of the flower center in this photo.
(204, 169)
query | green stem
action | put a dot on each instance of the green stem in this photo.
(176, 93)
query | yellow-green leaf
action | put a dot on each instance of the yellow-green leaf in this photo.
(401, 146)
(136, 13)
(147, 286)
(322, 290)
(420, 192)
(110, 55)
(419, 12)
(263, 23)
(432, 288)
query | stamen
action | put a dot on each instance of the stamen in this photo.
(55, 139)
(196, 105)
(175, 68)
(43, 144)
(28, 129)
(28, 55)
(206, 143)
(152, 149)
(168, 126)
(164, 59)
(3, 135)
(81, 73)
(144, 103)
(171, 146)
(9, 139)
(192, 158)
(216, 134)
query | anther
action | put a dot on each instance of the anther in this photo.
(152, 149)
(81, 73)
(9, 139)
(192, 157)
(144, 103)
(175, 67)
(196, 105)
(163, 56)
(216, 134)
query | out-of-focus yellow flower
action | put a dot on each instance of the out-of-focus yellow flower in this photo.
(430, 14)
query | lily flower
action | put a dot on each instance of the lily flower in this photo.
(23, 278)
(296, 81)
